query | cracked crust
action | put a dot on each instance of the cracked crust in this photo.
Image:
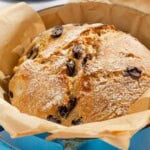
(41, 84)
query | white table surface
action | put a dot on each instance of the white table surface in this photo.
(36, 4)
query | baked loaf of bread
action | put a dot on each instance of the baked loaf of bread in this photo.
(76, 74)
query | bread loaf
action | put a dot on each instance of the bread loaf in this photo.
(74, 74)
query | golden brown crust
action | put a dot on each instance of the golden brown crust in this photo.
(89, 73)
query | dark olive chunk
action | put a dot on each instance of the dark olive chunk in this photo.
(85, 59)
(77, 51)
(32, 54)
(53, 119)
(72, 103)
(70, 67)
(57, 31)
(11, 95)
(63, 111)
(76, 121)
(133, 72)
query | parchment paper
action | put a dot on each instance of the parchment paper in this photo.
(141, 5)
(115, 131)
(18, 25)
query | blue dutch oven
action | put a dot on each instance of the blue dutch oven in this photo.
(140, 141)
